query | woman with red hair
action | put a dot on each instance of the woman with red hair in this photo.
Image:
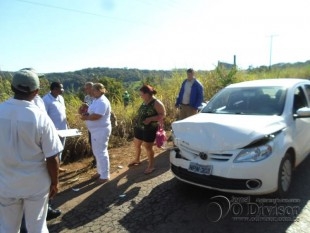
(151, 112)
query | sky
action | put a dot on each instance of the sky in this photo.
(70, 35)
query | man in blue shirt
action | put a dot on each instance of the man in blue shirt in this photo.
(190, 96)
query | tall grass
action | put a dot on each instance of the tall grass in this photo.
(167, 91)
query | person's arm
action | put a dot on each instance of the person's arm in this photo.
(96, 112)
(91, 117)
(180, 95)
(52, 164)
(199, 95)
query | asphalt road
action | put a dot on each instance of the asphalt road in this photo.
(138, 203)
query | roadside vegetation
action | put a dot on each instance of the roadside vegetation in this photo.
(166, 84)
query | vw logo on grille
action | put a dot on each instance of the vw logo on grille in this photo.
(203, 155)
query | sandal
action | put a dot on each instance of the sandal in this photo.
(149, 171)
(134, 164)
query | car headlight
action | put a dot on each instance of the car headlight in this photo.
(254, 154)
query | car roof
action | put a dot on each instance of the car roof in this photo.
(282, 82)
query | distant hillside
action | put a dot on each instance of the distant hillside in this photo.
(126, 76)
(282, 66)
(74, 80)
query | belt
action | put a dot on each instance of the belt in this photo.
(185, 104)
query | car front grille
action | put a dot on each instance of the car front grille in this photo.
(211, 181)
(222, 157)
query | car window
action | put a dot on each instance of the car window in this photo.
(300, 100)
(307, 89)
(267, 100)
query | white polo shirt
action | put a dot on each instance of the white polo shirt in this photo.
(88, 99)
(28, 137)
(39, 102)
(102, 107)
(56, 109)
(187, 91)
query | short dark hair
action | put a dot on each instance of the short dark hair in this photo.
(21, 94)
(190, 70)
(55, 85)
(148, 89)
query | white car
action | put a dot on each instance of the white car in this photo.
(247, 140)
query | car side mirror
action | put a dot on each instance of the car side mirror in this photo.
(302, 112)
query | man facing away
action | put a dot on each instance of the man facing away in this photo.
(29, 163)
(190, 96)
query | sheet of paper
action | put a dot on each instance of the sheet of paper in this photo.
(69, 133)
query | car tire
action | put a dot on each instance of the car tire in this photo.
(285, 175)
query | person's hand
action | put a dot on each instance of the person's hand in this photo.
(147, 121)
(83, 109)
(84, 116)
(53, 190)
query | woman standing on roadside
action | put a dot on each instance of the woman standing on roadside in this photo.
(151, 112)
(99, 125)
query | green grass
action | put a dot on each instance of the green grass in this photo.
(167, 91)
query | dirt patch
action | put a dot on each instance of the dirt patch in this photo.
(80, 171)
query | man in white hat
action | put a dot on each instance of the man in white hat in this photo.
(29, 163)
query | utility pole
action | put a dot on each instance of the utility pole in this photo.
(270, 52)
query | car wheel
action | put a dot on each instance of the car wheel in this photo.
(285, 175)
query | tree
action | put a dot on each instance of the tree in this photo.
(114, 88)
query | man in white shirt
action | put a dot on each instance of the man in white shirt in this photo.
(88, 100)
(37, 99)
(29, 147)
(51, 213)
(56, 109)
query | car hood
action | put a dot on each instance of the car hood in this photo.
(218, 132)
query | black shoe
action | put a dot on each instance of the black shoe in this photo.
(52, 213)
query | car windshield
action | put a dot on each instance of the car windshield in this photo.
(267, 100)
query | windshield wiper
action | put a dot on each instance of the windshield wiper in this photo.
(209, 111)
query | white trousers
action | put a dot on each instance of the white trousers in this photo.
(99, 143)
(35, 208)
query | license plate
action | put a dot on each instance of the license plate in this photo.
(200, 169)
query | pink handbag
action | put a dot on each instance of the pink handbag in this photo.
(160, 136)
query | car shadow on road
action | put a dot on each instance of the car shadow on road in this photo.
(172, 206)
(123, 188)
(177, 207)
